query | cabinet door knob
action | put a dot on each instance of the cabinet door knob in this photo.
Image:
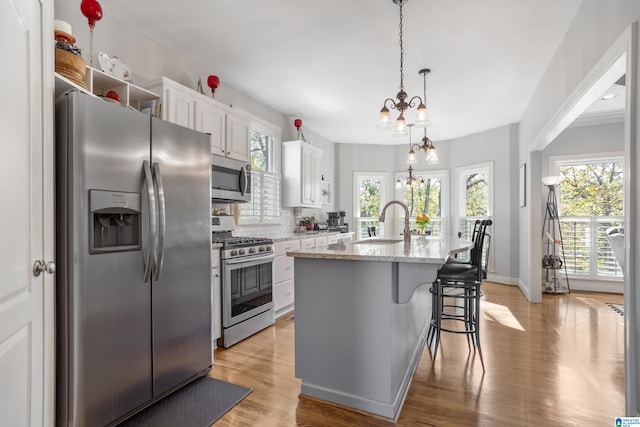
(42, 267)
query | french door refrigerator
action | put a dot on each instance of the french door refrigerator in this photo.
(133, 242)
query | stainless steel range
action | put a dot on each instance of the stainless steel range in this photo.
(247, 282)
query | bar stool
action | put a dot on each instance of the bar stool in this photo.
(459, 284)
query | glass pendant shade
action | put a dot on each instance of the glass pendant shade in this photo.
(411, 160)
(401, 126)
(421, 116)
(398, 183)
(432, 156)
(384, 122)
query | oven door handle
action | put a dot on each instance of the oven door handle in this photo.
(249, 259)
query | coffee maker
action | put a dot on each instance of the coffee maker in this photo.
(336, 222)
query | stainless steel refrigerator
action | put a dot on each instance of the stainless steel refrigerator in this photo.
(133, 250)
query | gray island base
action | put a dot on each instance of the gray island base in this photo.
(362, 316)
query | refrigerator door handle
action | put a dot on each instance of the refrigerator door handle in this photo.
(157, 175)
(152, 220)
(245, 181)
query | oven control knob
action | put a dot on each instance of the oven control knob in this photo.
(234, 252)
(262, 249)
(267, 248)
(252, 250)
(241, 252)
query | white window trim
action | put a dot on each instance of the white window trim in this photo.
(260, 125)
(357, 176)
(555, 162)
(577, 159)
(462, 196)
(460, 174)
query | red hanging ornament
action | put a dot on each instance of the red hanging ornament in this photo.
(213, 82)
(92, 10)
(298, 124)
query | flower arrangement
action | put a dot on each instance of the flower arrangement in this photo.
(422, 220)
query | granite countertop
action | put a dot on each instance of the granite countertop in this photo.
(421, 249)
(319, 233)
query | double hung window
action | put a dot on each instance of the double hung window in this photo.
(590, 201)
(369, 192)
(430, 198)
(475, 189)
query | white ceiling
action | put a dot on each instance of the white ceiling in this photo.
(333, 62)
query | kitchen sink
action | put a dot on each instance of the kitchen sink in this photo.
(377, 242)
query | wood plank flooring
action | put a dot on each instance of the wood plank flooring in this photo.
(556, 363)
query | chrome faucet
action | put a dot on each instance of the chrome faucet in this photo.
(407, 231)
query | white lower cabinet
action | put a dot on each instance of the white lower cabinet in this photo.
(283, 270)
(216, 297)
(283, 294)
(308, 243)
(322, 241)
(284, 297)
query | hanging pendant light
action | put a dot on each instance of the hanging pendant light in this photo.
(427, 144)
(400, 126)
(411, 180)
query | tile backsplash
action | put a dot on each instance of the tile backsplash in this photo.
(284, 228)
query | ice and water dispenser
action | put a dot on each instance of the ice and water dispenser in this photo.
(115, 221)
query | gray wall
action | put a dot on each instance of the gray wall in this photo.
(605, 138)
(351, 158)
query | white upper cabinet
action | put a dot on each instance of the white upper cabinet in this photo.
(302, 174)
(210, 119)
(178, 105)
(229, 129)
(237, 140)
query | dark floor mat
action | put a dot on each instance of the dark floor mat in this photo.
(198, 404)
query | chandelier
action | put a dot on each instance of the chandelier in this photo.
(411, 181)
(400, 104)
(427, 145)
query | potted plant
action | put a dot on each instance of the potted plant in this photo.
(309, 222)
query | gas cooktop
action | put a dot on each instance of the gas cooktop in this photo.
(241, 242)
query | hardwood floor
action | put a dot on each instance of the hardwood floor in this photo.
(556, 363)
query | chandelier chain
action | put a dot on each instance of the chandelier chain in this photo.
(401, 52)
(424, 94)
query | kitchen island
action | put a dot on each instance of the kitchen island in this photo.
(362, 316)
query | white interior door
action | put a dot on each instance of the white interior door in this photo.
(25, 376)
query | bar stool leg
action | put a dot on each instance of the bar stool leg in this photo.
(477, 323)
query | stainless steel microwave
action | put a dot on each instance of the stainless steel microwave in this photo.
(230, 180)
